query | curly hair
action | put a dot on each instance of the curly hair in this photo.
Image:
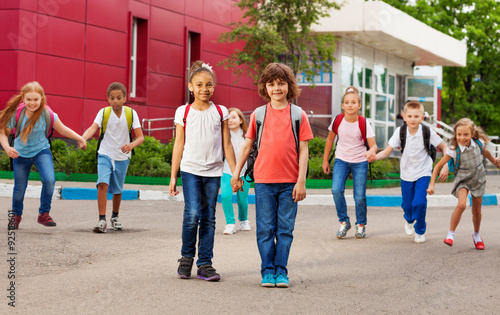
(281, 72)
(476, 131)
(198, 67)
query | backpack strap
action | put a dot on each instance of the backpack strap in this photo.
(336, 123)
(362, 127)
(402, 137)
(129, 115)
(479, 144)
(296, 117)
(260, 116)
(426, 132)
(48, 114)
(105, 117)
(188, 107)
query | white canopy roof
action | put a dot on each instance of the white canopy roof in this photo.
(381, 26)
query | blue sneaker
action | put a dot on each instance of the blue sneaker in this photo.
(268, 280)
(282, 281)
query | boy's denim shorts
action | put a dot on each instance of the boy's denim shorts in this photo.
(111, 173)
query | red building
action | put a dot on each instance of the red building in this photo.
(76, 48)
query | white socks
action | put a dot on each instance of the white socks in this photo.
(476, 237)
(451, 235)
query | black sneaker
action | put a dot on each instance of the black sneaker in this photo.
(185, 266)
(207, 272)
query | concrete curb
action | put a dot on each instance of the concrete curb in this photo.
(74, 193)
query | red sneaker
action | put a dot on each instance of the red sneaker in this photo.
(45, 219)
(14, 222)
(479, 245)
(448, 241)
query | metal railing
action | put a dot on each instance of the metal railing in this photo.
(446, 131)
(148, 128)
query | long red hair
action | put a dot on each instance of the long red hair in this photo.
(10, 110)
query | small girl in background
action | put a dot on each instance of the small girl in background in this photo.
(32, 147)
(350, 157)
(469, 143)
(202, 140)
(237, 128)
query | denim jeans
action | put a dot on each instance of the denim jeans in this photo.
(22, 167)
(415, 202)
(275, 219)
(200, 199)
(359, 172)
(227, 200)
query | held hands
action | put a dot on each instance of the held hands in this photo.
(497, 162)
(11, 152)
(236, 183)
(370, 157)
(82, 144)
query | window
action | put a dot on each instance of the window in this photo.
(138, 59)
(193, 53)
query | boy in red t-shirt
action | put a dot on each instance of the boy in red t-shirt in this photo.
(279, 171)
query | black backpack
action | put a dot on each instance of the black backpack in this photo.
(426, 131)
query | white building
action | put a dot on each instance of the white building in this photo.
(377, 49)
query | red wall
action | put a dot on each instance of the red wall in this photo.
(76, 48)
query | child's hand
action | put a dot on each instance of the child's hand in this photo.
(299, 192)
(430, 189)
(126, 148)
(236, 184)
(82, 144)
(172, 188)
(11, 152)
(326, 167)
(497, 162)
(370, 157)
(443, 175)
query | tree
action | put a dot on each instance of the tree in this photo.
(472, 91)
(280, 31)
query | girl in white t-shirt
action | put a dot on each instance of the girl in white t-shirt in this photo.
(238, 128)
(350, 157)
(202, 140)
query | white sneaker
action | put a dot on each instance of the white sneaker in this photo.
(100, 227)
(245, 225)
(409, 228)
(116, 224)
(419, 238)
(230, 229)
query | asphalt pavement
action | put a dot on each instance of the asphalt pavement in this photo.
(68, 269)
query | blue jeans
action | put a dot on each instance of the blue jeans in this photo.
(415, 202)
(275, 219)
(227, 200)
(22, 167)
(359, 172)
(200, 199)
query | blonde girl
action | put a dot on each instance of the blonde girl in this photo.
(350, 157)
(31, 148)
(237, 128)
(469, 142)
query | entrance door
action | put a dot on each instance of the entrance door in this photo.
(424, 90)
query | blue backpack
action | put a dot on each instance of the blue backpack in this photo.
(454, 164)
